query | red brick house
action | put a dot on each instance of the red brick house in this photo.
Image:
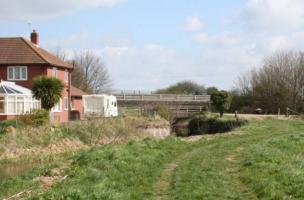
(22, 60)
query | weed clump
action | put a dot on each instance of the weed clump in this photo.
(38, 117)
(9, 123)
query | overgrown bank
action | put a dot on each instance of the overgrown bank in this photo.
(28, 140)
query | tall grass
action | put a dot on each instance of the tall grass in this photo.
(90, 132)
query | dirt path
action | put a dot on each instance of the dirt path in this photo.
(232, 168)
(163, 184)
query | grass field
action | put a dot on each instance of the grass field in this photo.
(265, 160)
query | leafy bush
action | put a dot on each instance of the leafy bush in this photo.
(200, 126)
(37, 117)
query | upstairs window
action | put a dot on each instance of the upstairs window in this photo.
(54, 72)
(17, 73)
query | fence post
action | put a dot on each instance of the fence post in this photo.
(236, 115)
(279, 112)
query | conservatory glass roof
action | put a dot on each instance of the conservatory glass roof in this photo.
(11, 88)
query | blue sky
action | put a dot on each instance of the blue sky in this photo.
(149, 44)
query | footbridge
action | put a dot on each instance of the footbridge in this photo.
(180, 105)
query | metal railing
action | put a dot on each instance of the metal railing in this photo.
(163, 97)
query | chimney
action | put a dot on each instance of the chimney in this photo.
(35, 37)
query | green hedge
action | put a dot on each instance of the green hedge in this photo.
(200, 126)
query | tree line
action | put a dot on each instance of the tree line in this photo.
(277, 84)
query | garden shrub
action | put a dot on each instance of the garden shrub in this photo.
(200, 126)
(36, 117)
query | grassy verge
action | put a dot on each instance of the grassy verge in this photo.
(264, 162)
(274, 168)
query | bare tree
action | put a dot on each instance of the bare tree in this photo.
(62, 54)
(244, 85)
(277, 83)
(90, 73)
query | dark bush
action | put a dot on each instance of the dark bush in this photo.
(200, 126)
(37, 117)
(181, 131)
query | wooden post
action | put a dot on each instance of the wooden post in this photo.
(236, 115)
(279, 112)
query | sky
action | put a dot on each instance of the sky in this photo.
(151, 44)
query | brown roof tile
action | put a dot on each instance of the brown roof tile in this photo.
(77, 92)
(21, 51)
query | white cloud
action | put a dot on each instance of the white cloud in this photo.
(273, 15)
(216, 59)
(193, 24)
(222, 39)
(40, 9)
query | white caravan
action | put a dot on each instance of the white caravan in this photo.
(100, 105)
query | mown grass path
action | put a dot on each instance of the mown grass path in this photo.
(163, 183)
(213, 170)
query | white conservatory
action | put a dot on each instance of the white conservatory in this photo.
(16, 100)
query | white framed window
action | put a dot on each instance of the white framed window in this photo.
(66, 75)
(54, 72)
(17, 73)
(73, 105)
(66, 103)
(57, 107)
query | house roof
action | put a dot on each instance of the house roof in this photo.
(75, 92)
(18, 51)
(11, 88)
